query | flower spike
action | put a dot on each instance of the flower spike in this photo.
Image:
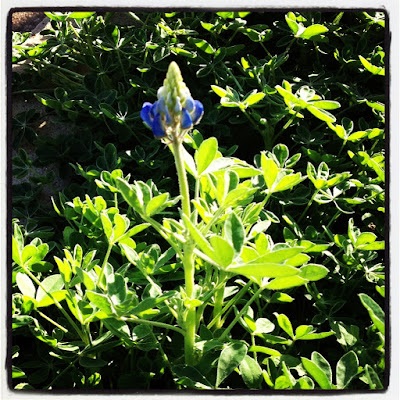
(175, 111)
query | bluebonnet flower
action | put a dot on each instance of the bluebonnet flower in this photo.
(175, 111)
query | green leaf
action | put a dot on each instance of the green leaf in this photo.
(58, 295)
(198, 237)
(279, 256)
(378, 245)
(150, 302)
(223, 251)
(65, 269)
(313, 272)
(25, 285)
(346, 369)
(107, 225)
(321, 114)
(372, 378)
(302, 330)
(265, 350)
(189, 163)
(234, 232)
(157, 204)
(288, 96)
(206, 154)
(313, 30)
(192, 373)
(219, 91)
(264, 270)
(29, 252)
(231, 356)
(88, 362)
(326, 104)
(101, 301)
(290, 18)
(253, 98)
(322, 363)
(264, 325)
(305, 383)
(251, 372)
(130, 195)
(118, 328)
(317, 373)
(288, 182)
(314, 336)
(121, 224)
(286, 282)
(17, 373)
(365, 237)
(50, 284)
(375, 311)
(371, 68)
(80, 14)
(285, 324)
(203, 45)
(116, 288)
(270, 170)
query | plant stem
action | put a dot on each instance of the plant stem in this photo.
(232, 301)
(219, 301)
(103, 267)
(52, 321)
(154, 323)
(57, 304)
(308, 206)
(240, 313)
(188, 256)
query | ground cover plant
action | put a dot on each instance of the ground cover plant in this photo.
(221, 224)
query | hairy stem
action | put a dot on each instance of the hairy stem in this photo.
(188, 256)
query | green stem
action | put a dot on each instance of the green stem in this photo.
(233, 77)
(188, 256)
(232, 301)
(182, 178)
(253, 343)
(240, 313)
(159, 228)
(103, 267)
(57, 304)
(196, 196)
(153, 323)
(218, 213)
(219, 301)
(52, 321)
(71, 364)
(308, 206)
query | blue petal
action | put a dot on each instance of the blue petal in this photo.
(168, 118)
(161, 107)
(145, 113)
(189, 104)
(198, 112)
(178, 107)
(157, 127)
(186, 120)
(153, 111)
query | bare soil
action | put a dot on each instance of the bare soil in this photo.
(26, 21)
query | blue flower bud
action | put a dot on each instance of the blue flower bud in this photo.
(157, 126)
(186, 120)
(189, 104)
(145, 114)
(198, 112)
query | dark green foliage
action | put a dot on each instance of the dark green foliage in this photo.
(292, 191)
